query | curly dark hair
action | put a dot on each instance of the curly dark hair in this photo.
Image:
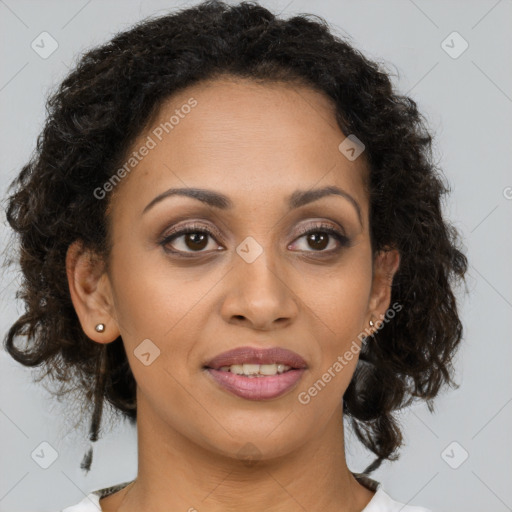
(115, 89)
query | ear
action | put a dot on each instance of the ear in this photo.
(386, 264)
(91, 293)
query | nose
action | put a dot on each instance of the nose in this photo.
(259, 296)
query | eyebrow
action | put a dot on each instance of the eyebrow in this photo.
(218, 200)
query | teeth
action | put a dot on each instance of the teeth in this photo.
(256, 370)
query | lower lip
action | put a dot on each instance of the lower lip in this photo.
(257, 388)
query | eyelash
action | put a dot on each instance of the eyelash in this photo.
(197, 228)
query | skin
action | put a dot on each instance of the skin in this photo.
(257, 144)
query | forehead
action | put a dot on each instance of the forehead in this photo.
(240, 136)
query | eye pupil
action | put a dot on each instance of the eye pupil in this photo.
(318, 236)
(196, 238)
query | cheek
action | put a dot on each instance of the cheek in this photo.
(163, 304)
(338, 297)
(337, 305)
(339, 313)
(151, 297)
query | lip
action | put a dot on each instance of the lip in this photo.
(257, 388)
(251, 355)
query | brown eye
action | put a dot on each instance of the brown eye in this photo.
(194, 239)
(318, 238)
(318, 241)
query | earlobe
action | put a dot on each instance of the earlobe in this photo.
(386, 265)
(91, 293)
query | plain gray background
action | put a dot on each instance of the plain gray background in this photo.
(468, 102)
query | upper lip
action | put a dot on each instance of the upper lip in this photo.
(251, 355)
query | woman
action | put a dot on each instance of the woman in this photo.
(232, 232)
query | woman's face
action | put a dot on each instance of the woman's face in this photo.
(256, 280)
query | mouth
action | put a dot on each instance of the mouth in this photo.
(249, 357)
(256, 374)
(255, 370)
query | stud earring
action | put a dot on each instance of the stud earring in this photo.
(371, 323)
(100, 327)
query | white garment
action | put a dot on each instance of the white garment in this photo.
(381, 501)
